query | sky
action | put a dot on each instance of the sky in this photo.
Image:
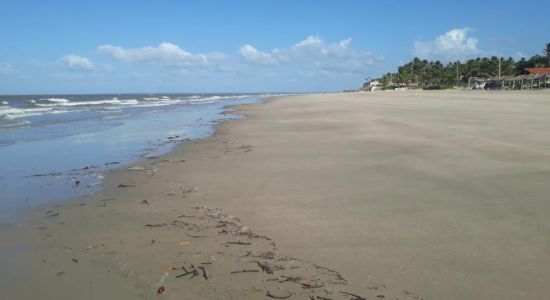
(169, 46)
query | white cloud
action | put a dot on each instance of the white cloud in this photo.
(6, 69)
(454, 44)
(252, 55)
(314, 54)
(310, 55)
(165, 55)
(308, 64)
(312, 40)
(76, 62)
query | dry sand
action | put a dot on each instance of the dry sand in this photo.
(401, 195)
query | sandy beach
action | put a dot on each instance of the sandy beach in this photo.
(382, 195)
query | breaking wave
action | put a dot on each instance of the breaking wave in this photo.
(56, 100)
(65, 102)
(14, 112)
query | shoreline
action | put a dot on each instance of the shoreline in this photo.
(155, 122)
(388, 194)
(230, 109)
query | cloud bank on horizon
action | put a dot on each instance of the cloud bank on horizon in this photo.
(312, 54)
(312, 60)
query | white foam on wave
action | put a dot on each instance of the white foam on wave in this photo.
(113, 101)
(212, 98)
(162, 98)
(56, 100)
(159, 102)
(57, 105)
(215, 98)
(56, 112)
(201, 102)
(9, 112)
(195, 99)
(207, 99)
(16, 113)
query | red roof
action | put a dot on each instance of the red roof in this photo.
(538, 70)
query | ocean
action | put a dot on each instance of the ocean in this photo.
(55, 147)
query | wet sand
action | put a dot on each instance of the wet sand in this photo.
(408, 195)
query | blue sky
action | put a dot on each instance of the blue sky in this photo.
(247, 46)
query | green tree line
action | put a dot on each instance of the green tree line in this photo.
(435, 75)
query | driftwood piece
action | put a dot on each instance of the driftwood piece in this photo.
(356, 297)
(156, 225)
(290, 278)
(239, 243)
(245, 271)
(184, 216)
(204, 273)
(270, 295)
(184, 274)
(193, 272)
(197, 236)
(123, 185)
(319, 298)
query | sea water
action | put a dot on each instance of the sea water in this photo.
(56, 147)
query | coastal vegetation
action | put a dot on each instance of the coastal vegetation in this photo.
(422, 73)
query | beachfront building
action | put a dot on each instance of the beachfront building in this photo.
(541, 75)
(535, 78)
(371, 85)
